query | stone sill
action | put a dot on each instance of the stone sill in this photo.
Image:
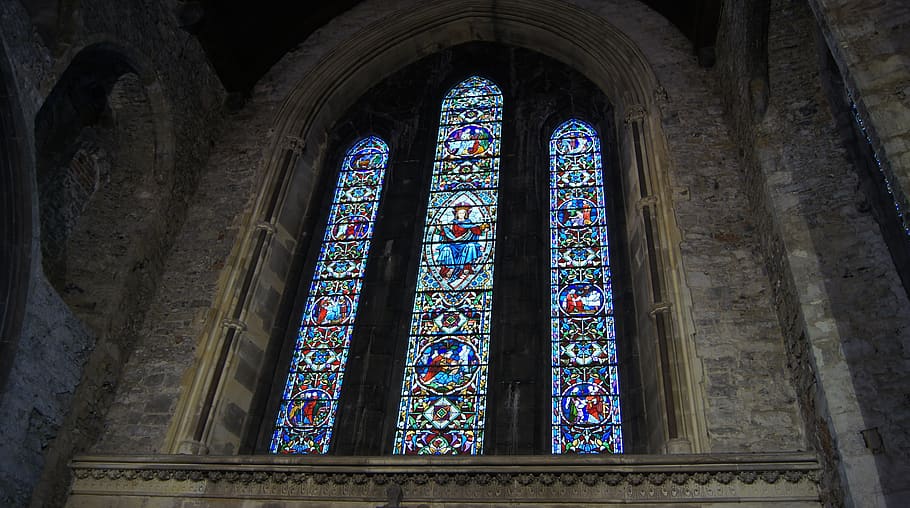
(254, 480)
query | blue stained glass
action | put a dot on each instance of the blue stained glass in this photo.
(444, 388)
(586, 416)
(309, 404)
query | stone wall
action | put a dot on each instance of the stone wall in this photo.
(35, 399)
(794, 313)
(748, 403)
(737, 338)
(15, 226)
(45, 417)
(836, 290)
(870, 46)
(166, 346)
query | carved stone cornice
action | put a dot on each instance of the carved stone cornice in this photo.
(653, 479)
(527, 480)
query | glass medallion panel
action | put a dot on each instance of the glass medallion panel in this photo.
(586, 415)
(309, 404)
(443, 394)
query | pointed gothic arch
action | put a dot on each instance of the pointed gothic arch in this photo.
(586, 407)
(572, 35)
(16, 211)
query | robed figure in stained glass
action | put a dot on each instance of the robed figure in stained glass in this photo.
(446, 365)
(443, 390)
(309, 403)
(459, 248)
(586, 410)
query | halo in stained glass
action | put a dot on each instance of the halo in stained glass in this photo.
(586, 415)
(444, 387)
(309, 404)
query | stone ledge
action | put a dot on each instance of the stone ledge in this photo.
(589, 480)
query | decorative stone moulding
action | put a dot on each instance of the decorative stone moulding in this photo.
(596, 38)
(254, 481)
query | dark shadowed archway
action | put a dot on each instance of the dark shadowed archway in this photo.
(15, 220)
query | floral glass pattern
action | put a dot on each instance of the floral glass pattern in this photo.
(443, 397)
(586, 410)
(309, 403)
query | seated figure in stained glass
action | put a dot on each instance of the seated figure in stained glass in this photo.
(446, 365)
(460, 248)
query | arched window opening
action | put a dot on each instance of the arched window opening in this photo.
(445, 358)
(443, 394)
(102, 188)
(309, 405)
(586, 403)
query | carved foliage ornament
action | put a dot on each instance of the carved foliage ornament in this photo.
(634, 113)
(442, 478)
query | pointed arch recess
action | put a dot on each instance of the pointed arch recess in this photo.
(443, 394)
(309, 403)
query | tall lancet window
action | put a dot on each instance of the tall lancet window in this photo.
(309, 403)
(586, 410)
(443, 397)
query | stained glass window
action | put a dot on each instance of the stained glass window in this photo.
(309, 403)
(443, 396)
(586, 411)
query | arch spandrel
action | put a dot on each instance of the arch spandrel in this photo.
(579, 37)
(572, 35)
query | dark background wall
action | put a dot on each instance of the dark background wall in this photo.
(813, 188)
(108, 175)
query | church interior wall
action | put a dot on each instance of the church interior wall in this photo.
(838, 296)
(67, 363)
(695, 148)
(692, 104)
(790, 310)
(17, 247)
(870, 49)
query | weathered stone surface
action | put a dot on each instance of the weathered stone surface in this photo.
(709, 480)
(792, 321)
(838, 296)
(35, 400)
(186, 290)
(135, 229)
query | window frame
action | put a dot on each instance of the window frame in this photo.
(539, 158)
